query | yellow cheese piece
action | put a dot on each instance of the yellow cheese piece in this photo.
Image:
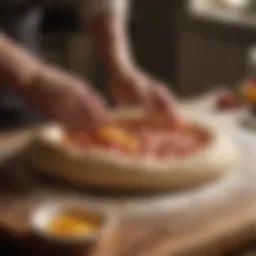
(70, 225)
(117, 136)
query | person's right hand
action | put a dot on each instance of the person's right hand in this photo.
(132, 87)
(66, 99)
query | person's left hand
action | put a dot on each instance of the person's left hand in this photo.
(133, 87)
(65, 98)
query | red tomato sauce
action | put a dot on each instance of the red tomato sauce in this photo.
(156, 139)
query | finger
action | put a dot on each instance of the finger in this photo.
(120, 97)
(133, 93)
(139, 94)
(95, 109)
(123, 96)
(162, 101)
(69, 114)
(93, 97)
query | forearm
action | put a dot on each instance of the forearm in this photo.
(18, 68)
(108, 25)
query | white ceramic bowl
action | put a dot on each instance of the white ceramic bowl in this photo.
(41, 216)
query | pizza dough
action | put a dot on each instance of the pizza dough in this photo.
(51, 154)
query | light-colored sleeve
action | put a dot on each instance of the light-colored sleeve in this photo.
(97, 7)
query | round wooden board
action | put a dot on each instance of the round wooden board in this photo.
(205, 221)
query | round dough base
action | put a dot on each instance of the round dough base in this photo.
(107, 170)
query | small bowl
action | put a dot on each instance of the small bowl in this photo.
(43, 214)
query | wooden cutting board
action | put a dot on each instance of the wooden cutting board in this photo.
(204, 221)
(191, 224)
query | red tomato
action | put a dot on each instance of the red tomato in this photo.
(227, 101)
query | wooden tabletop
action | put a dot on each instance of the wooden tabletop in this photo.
(201, 221)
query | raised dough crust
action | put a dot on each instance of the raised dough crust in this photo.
(102, 168)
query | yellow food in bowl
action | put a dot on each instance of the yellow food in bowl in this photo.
(71, 224)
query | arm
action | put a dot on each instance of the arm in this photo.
(108, 22)
(17, 67)
(56, 94)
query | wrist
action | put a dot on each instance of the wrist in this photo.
(120, 60)
(121, 68)
(110, 35)
(115, 67)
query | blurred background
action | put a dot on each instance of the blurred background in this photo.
(193, 45)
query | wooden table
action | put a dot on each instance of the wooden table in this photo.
(203, 221)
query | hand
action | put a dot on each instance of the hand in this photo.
(65, 98)
(132, 86)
